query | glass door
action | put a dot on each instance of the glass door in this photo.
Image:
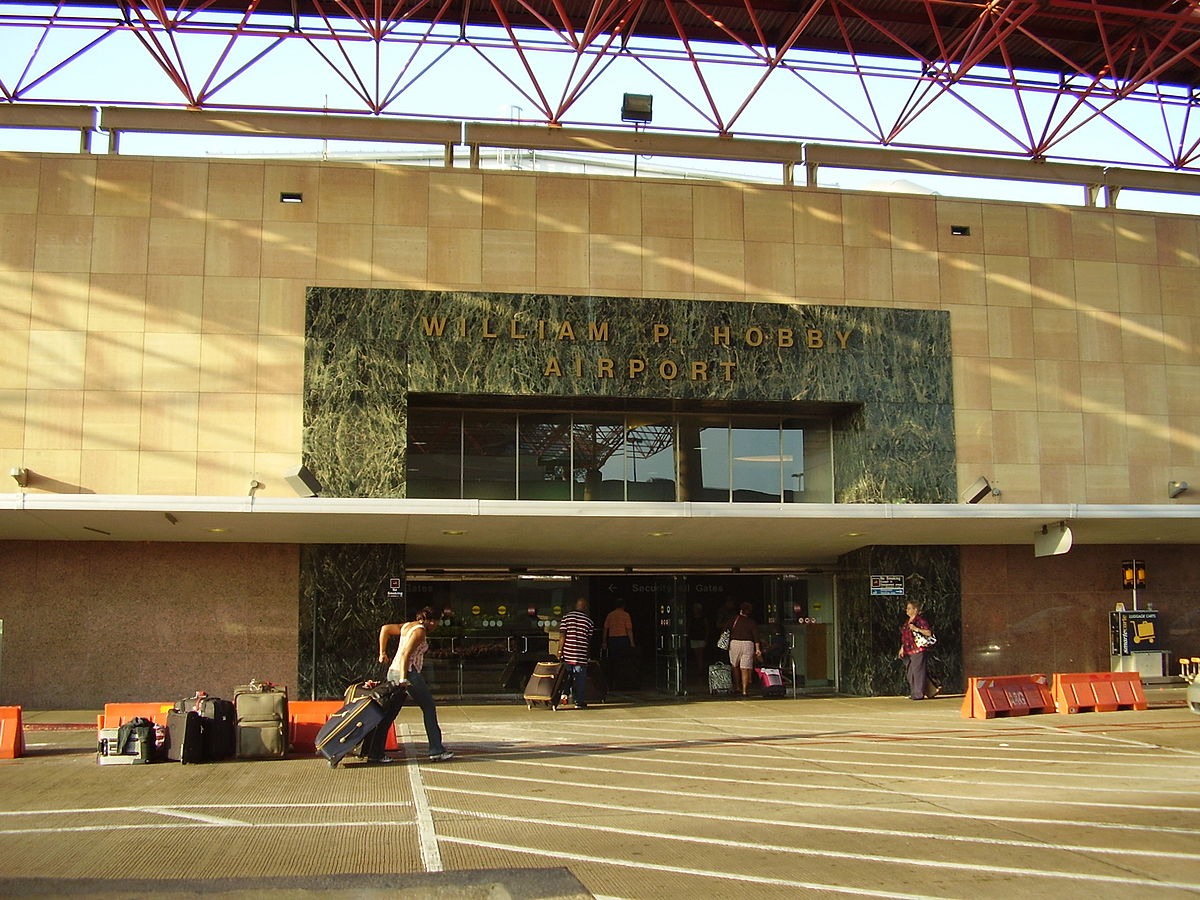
(805, 617)
(670, 636)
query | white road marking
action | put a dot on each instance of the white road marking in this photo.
(924, 862)
(849, 829)
(855, 807)
(748, 881)
(928, 792)
(431, 856)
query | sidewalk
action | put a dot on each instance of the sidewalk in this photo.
(704, 799)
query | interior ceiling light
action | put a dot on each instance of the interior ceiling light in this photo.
(659, 534)
(291, 197)
(452, 533)
(218, 530)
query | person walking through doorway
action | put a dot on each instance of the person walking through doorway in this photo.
(576, 629)
(745, 648)
(406, 669)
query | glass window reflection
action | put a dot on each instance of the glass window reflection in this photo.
(544, 457)
(490, 456)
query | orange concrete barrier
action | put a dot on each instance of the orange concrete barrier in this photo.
(306, 718)
(117, 714)
(1098, 692)
(1007, 695)
(12, 733)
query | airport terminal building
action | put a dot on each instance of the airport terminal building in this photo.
(250, 410)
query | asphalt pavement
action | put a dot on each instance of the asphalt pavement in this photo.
(635, 798)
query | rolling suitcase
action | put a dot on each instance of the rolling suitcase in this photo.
(597, 683)
(772, 682)
(262, 721)
(347, 728)
(134, 743)
(545, 685)
(185, 737)
(720, 678)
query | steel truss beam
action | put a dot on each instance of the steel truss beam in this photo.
(1037, 79)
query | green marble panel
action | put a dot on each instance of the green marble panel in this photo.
(869, 627)
(343, 602)
(888, 369)
(887, 372)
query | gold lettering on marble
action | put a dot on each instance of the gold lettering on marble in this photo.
(814, 338)
(721, 335)
(659, 332)
(636, 367)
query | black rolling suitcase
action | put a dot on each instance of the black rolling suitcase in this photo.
(597, 683)
(185, 736)
(545, 685)
(347, 728)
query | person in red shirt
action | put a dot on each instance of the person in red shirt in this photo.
(913, 653)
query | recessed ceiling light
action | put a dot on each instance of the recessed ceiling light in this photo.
(854, 533)
(291, 197)
(659, 534)
(452, 533)
(218, 530)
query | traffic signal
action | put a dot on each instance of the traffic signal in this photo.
(1133, 574)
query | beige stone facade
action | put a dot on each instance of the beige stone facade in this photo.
(152, 310)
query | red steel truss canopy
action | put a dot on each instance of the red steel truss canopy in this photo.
(1067, 79)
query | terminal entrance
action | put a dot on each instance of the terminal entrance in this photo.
(494, 627)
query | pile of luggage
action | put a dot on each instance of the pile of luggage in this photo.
(200, 728)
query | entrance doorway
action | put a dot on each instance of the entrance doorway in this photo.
(495, 627)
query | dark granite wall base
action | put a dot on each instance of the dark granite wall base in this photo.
(1024, 614)
(344, 600)
(869, 631)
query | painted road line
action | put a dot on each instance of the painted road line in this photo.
(851, 807)
(924, 862)
(589, 804)
(928, 792)
(431, 856)
(743, 880)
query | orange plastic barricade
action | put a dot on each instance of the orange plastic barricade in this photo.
(307, 717)
(1099, 692)
(117, 714)
(12, 733)
(1006, 695)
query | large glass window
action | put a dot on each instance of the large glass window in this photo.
(650, 458)
(647, 457)
(544, 457)
(489, 456)
(435, 455)
(598, 445)
(757, 462)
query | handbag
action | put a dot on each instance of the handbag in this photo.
(727, 634)
(922, 641)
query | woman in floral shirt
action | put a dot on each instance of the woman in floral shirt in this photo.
(913, 655)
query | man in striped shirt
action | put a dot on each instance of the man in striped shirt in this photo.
(576, 631)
